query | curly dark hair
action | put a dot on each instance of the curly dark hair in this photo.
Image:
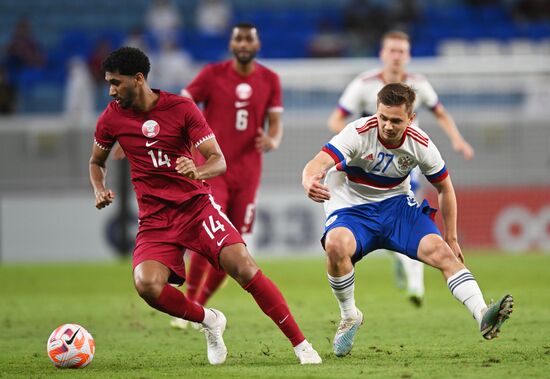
(395, 94)
(127, 61)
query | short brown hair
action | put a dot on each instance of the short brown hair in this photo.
(394, 34)
(395, 94)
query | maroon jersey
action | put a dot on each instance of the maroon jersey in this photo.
(152, 141)
(235, 106)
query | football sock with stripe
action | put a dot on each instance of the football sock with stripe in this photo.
(273, 304)
(464, 287)
(343, 288)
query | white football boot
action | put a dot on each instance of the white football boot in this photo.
(216, 350)
(307, 354)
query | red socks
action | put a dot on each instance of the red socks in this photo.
(214, 278)
(197, 268)
(174, 302)
(203, 279)
(273, 304)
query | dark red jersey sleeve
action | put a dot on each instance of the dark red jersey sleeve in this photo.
(103, 136)
(199, 87)
(276, 99)
(197, 128)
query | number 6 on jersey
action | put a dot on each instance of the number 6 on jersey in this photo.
(241, 119)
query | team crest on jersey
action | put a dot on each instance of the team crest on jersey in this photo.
(243, 91)
(331, 220)
(150, 128)
(405, 162)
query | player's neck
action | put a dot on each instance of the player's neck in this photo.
(147, 101)
(243, 69)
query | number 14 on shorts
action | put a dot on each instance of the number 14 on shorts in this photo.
(214, 226)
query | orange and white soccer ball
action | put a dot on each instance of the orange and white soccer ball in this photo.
(70, 345)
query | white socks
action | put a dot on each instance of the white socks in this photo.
(464, 287)
(343, 288)
(414, 271)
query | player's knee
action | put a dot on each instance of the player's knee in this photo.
(148, 287)
(237, 263)
(441, 254)
(339, 246)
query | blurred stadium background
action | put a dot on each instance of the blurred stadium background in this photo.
(488, 60)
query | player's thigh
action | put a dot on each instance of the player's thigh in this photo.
(409, 226)
(157, 261)
(350, 225)
(209, 231)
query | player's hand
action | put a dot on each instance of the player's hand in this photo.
(464, 148)
(455, 247)
(264, 143)
(104, 198)
(187, 168)
(315, 190)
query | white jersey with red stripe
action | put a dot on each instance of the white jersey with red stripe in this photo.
(369, 171)
(360, 95)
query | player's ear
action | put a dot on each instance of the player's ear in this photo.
(411, 119)
(139, 77)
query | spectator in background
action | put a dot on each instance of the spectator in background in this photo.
(171, 67)
(137, 39)
(365, 23)
(367, 20)
(23, 51)
(163, 19)
(532, 10)
(101, 50)
(213, 16)
(79, 104)
(8, 93)
(327, 42)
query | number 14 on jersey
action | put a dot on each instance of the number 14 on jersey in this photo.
(160, 160)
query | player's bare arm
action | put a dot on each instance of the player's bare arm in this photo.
(214, 165)
(118, 154)
(448, 207)
(313, 173)
(98, 172)
(337, 121)
(270, 140)
(446, 122)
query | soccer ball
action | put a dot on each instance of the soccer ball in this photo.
(70, 345)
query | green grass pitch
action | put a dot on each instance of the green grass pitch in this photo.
(397, 341)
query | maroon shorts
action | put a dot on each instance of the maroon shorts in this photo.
(238, 202)
(198, 225)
